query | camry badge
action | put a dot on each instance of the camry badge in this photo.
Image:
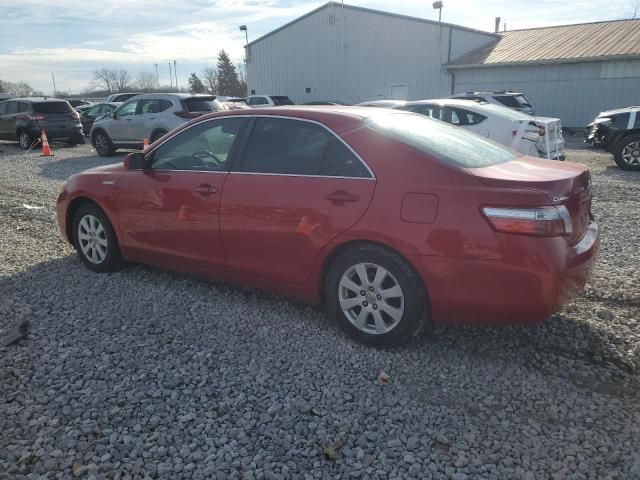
(108, 182)
(560, 199)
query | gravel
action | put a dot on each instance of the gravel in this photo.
(152, 374)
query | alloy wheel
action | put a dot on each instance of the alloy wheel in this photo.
(92, 239)
(25, 140)
(102, 144)
(371, 298)
(631, 153)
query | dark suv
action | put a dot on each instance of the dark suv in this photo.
(23, 119)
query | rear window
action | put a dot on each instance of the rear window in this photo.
(281, 100)
(448, 143)
(52, 107)
(513, 101)
(206, 104)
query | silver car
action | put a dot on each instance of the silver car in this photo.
(148, 116)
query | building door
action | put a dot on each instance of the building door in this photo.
(398, 91)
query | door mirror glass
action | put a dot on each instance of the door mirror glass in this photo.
(134, 161)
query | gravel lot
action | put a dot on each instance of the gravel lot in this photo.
(151, 374)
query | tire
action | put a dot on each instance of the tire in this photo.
(157, 135)
(95, 240)
(370, 318)
(24, 140)
(626, 152)
(103, 144)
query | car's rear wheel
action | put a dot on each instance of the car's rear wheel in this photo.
(103, 144)
(376, 296)
(24, 140)
(627, 152)
(95, 240)
(157, 135)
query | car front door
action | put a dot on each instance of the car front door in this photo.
(170, 210)
(147, 113)
(89, 116)
(295, 188)
(120, 129)
(4, 121)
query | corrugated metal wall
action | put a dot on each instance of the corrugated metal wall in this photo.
(379, 51)
(573, 92)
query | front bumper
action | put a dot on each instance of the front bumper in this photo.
(531, 283)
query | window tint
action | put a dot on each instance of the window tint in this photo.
(12, 107)
(165, 104)
(128, 108)
(52, 107)
(512, 101)
(150, 105)
(94, 111)
(258, 101)
(281, 100)
(449, 144)
(204, 104)
(3, 108)
(203, 147)
(470, 118)
(297, 147)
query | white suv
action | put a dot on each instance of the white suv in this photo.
(148, 116)
(265, 101)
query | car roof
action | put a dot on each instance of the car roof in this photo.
(472, 105)
(490, 92)
(178, 95)
(37, 99)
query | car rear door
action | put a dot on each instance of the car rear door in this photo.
(4, 121)
(170, 211)
(296, 187)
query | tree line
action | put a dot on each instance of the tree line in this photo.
(18, 89)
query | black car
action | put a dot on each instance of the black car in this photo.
(88, 116)
(23, 119)
(618, 131)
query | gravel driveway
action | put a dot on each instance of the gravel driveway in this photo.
(151, 374)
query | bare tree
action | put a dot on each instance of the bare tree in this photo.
(19, 89)
(210, 79)
(123, 80)
(105, 79)
(146, 81)
(635, 7)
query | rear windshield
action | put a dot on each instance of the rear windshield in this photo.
(51, 107)
(281, 100)
(451, 144)
(205, 104)
(513, 101)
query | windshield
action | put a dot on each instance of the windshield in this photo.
(51, 107)
(281, 101)
(451, 144)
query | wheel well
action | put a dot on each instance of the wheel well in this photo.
(73, 207)
(155, 132)
(354, 244)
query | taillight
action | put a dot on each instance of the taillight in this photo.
(541, 221)
(74, 115)
(35, 116)
(185, 114)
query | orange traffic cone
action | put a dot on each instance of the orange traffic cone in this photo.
(145, 144)
(46, 149)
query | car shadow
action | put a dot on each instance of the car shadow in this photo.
(65, 167)
(617, 173)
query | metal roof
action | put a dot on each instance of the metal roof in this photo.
(369, 10)
(618, 39)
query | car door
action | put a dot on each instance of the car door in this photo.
(4, 121)
(170, 210)
(88, 117)
(142, 122)
(295, 188)
(120, 129)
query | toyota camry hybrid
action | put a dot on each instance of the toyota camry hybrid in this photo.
(390, 219)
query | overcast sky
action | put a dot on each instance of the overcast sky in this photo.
(73, 38)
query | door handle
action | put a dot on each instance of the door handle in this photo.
(340, 197)
(205, 189)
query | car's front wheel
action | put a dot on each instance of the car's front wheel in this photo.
(95, 240)
(627, 152)
(376, 296)
(103, 144)
(24, 140)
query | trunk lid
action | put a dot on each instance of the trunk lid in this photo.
(563, 183)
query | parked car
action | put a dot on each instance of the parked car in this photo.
(120, 97)
(77, 102)
(618, 131)
(89, 115)
(392, 219)
(264, 101)
(383, 103)
(83, 108)
(535, 136)
(514, 100)
(323, 102)
(148, 116)
(24, 119)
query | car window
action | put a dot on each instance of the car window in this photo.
(165, 104)
(149, 105)
(470, 118)
(297, 147)
(128, 108)
(203, 147)
(281, 100)
(94, 111)
(3, 108)
(12, 107)
(52, 107)
(452, 145)
(259, 101)
(202, 104)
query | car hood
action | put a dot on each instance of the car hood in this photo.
(113, 168)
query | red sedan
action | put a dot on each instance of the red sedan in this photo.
(391, 219)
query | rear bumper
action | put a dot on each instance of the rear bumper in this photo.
(54, 132)
(533, 282)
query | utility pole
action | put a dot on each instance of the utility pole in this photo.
(157, 78)
(175, 72)
(53, 78)
(170, 77)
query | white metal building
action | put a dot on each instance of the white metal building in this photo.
(354, 54)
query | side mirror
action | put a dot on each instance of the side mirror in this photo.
(112, 114)
(134, 161)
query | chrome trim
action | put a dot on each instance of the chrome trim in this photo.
(167, 137)
(159, 170)
(300, 175)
